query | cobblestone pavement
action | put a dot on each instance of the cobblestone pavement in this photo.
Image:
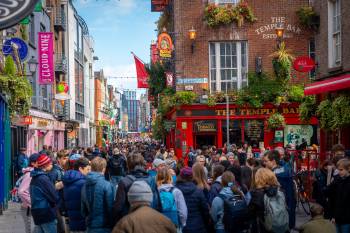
(11, 221)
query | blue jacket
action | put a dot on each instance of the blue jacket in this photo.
(217, 208)
(97, 198)
(73, 182)
(285, 178)
(56, 174)
(22, 162)
(197, 207)
(43, 197)
(215, 189)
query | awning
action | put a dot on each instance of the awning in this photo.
(331, 84)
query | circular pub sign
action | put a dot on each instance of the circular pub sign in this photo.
(13, 11)
(304, 64)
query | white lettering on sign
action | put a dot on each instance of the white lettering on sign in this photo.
(267, 31)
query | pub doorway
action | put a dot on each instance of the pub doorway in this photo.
(201, 140)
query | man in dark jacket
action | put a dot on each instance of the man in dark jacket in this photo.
(43, 197)
(142, 218)
(97, 197)
(73, 181)
(285, 179)
(136, 166)
(116, 167)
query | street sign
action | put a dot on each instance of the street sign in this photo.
(22, 46)
(13, 11)
(303, 64)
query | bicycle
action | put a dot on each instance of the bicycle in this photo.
(302, 196)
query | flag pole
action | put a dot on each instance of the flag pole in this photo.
(137, 57)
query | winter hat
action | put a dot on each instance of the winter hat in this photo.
(140, 191)
(158, 162)
(43, 160)
(186, 172)
(33, 158)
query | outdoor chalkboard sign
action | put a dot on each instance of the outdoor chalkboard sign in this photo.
(13, 11)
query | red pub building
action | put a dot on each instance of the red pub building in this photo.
(211, 59)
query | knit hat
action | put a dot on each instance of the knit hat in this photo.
(158, 162)
(33, 158)
(186, 172)
(140, 191)
(43, 160)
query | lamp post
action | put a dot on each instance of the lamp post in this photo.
(33, 64)
(192, 34)
(279, 33)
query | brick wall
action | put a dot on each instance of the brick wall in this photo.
(321, 39)
(191, 13)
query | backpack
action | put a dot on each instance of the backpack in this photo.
(276, 214)
(168, 203)
(116, 165)
(14, 192)
(236, 215)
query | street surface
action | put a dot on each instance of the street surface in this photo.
(11, 221)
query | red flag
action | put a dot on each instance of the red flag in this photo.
(141, 73)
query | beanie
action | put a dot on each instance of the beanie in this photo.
(186, 172)
(140, 191)
(43, 160)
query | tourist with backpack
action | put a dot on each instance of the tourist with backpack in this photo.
(141, 217)
(136, 166)
(229, 210)
(268, 205)
(172, 200)
(197, 206)
(116, 167)
(216, 186)
(43, 196)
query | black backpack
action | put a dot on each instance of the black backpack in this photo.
(116, 166)
(236, 215)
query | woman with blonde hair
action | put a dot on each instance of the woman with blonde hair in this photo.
(266, 192)
(199, 178)
(172, 199)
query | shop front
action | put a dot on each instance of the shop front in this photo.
(199, 125)
(44, 130)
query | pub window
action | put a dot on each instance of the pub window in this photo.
(334, 33)
(228, 65)
(312, 54)
(235, 132)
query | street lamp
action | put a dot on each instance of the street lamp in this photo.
(32, 63)
(192, 34)
(279, 33)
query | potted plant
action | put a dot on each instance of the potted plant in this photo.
(308, 17)
(276, 121)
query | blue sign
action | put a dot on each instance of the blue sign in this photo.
(187, 81)
(7, 48)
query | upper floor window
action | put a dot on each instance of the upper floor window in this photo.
(334, 33)
(228, 65)
(218, 2)
(31, 30)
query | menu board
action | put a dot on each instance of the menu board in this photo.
(253, 131)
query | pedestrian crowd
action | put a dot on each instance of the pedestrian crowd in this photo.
(142, 187)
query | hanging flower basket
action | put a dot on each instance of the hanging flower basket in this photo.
(276, 121)
(215, 15)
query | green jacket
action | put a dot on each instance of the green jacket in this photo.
(318, 225)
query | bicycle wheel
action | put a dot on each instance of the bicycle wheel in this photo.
(304, 201)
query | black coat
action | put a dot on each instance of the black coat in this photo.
(339, 194)
(197, 207)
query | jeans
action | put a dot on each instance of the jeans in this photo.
(345, 228)
(50, 227)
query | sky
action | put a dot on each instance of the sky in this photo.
(119, 27)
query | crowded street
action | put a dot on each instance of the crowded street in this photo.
(174, 116)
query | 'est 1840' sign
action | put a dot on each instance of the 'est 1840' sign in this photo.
(13, 11)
